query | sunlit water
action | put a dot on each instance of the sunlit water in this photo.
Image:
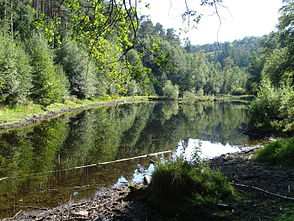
(40, 165)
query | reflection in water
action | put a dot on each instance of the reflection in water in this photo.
(203, 149)
(38, 159)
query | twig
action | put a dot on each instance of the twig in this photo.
(263, 191)
(19, 212)
(95, 164)
(65, 188)
(32, 207)
(3, 178)
(134, 158)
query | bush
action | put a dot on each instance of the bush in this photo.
(238, 91)
(273, 108)
(15, 72)
(49, 82)
(178, 185)
(170, 91)
(200, 92)
(189, 97)
(279, 152)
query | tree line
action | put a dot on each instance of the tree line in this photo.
(51, 50)
(63, 49)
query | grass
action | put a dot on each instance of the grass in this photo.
(279, 152)
(188, 189)
(22, 113)
(16, 114)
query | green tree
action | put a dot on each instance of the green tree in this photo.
(79, 68)
(170, 91)
(49, 82)
(15, 72)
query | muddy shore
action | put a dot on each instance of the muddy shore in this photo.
(266, 189)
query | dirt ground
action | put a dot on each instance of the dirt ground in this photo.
(268, 189)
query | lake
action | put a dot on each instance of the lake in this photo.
(45, 165)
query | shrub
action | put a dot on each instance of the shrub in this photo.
(238, 91)
(279, 152)
(15, 72)
(189, 97)
(273, 108)
(170, 91)
(49, 82)
(200, 92)
(178, 185)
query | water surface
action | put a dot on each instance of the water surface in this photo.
(37, 163)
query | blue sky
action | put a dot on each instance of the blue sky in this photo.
(239, 18)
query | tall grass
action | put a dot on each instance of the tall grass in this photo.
(280, 152)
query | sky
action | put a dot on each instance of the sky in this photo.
(239, 18)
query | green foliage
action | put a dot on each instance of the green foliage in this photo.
(79, 68)
(280, 152)
(239, 50)
(170, 91)
(278, 69)
(200, 92)
(238, 91)
(189, 97)
(15, 72)
(185, 183)
(49, 82)
(273, 108)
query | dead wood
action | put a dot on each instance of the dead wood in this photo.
(32, 207)
(95, 164)
(263, 191)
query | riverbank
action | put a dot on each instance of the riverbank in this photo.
(23, 115)
(267, 193)
(19, 116)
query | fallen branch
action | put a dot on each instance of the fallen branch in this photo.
(135, 158)
(263, 191)
(93, 165)
(65, 188)
(19, 212)
(32, 207)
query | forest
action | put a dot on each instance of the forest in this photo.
(53, 51)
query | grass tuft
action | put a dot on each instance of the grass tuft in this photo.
(280, 152)
(179, 185)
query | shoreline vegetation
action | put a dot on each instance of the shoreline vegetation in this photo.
(23, 115)
(59, 56)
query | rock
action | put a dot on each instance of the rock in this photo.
(146, 180)
(81, 213)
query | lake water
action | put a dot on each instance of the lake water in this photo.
(40, 165)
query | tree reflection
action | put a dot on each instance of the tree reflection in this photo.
(103, 134)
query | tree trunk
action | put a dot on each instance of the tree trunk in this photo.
(11, 17)
(5, 15)
(37, 7)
